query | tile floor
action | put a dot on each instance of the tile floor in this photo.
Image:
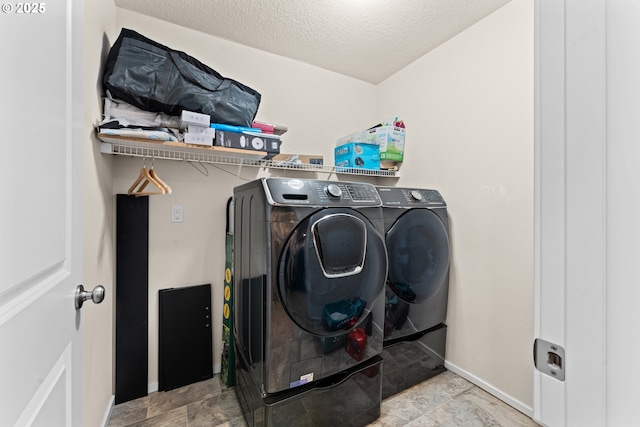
(444, 400)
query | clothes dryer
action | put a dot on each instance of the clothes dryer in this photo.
(417, 240)
(310, 270)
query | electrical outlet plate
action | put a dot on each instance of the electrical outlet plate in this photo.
(177, 214)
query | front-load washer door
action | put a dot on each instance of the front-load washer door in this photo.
(331, 270)
(418, 247)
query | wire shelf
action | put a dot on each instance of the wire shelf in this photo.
(137, 147)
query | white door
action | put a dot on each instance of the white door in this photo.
(571, 203)
(587, 209)
(40, 215)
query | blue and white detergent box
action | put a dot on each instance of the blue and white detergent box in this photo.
(357, 155)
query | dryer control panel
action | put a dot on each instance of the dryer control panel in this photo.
(409, 197)
(311, 192)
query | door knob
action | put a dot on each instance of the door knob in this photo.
(97, 295)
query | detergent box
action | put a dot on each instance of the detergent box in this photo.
(390, 139)
(357, 155)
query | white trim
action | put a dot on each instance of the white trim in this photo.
(537, 268)
(550, 241)
(509, 400)
(152, 387)
(571, 209)
(107, 414)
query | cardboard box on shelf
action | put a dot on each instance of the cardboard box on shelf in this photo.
(270, 128)
(249, 141)
(357, 155)
(307, 159)
(390, 140)
(192, 118)
(389, 165)
(198, 139)
(194, 129)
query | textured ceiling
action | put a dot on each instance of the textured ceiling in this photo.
(366, 39)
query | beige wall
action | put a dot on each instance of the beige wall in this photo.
(98, 227)
(316, 105)
(468, 106)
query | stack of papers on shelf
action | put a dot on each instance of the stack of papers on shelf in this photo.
(156, 135)
(123, 119)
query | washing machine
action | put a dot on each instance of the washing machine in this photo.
(416, 230)
(310, 267)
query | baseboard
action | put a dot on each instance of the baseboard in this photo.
(515, 403)
(153, 387)
(107, 414)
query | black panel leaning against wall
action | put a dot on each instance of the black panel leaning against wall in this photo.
(132, 289)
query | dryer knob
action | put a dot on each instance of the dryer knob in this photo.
(415, 195)
(333, 191)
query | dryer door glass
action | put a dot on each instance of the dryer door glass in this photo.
(418, 246)
(331, 270)
(340, 241)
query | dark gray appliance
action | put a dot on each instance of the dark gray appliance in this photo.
(310, 270)
(416, 295)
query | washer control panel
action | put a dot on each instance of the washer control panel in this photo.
(416, 195)
(283, 191)
(333, 191)
(409, 197)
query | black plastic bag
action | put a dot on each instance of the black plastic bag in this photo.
(156, 78)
